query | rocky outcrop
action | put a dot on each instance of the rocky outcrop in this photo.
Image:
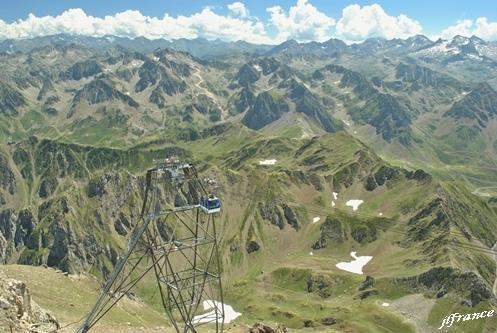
(149, 74)
(7, 232)
(368, 283)
(390, 117)
(81, 70)
(277, 214)
(244, 99)
(339, 230)
(19, 313)
(263, 328)
(171, 85)
(419, 175)
(100, 90)
(331, 230)
(385, 173)
(96, 188)
(25, 226)
(307, 103)
(122, 225)
(291, 217)
(440, 280)
(7, 178)
(49, 238)
(252, 246)
(479, 106)
(320, 285)
(15, 232)
(273, 213)
(265, 110)
(367, 288)
(247, 75)
(10, 99)
(328, 321)
(166, 83)
(370, 183)
(47, 186)
(363, 233)
(419, 76)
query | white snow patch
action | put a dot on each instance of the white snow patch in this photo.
(156, 58)
(335, 195)
(316, 219)
(229, 313)
(332, 203)
(355, 203)
(356, 265)
(135, 63)
(267, 162)
(257, 67)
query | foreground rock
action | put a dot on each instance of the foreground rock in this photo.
(262, 328)
(18, 313)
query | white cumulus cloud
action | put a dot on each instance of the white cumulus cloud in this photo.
(480, 27)
(303, 22)
(462, 27)
(358, 23)
(239, 9)
(132, 23)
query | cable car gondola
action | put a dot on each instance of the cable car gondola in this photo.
(210, 204)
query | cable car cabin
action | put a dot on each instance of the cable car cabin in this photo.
(210, 204)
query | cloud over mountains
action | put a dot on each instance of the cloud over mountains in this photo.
(301, 21)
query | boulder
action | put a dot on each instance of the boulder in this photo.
(328, 321)
(19, 313)
(252, 246)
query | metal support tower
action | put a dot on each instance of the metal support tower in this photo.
(178, 245)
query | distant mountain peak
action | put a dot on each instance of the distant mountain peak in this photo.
(459, 41)
(477, 40)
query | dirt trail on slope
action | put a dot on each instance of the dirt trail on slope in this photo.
(206, 91)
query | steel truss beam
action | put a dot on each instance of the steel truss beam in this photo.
(186, 264)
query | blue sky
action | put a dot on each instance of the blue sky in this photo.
(311, 20)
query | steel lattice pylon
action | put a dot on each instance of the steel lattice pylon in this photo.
(178, 243)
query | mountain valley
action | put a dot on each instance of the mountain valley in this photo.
(384, 148)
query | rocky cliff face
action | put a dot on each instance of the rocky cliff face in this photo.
(77, 229)
(265, 110)
(10, 99)
(478, 107)
(19, 313)
(442, 280)
(7, 178)
(82, 70)
(100, 90)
